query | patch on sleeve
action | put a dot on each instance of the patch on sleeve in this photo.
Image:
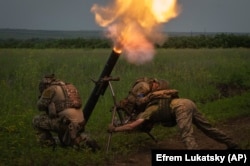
(48, 93)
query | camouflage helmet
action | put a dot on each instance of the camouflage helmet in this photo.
(46, 82)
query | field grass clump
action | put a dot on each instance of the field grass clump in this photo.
(196, 73)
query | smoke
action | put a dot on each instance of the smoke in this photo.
(137, 47)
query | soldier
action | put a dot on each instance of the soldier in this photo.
(62, 114)
(151, 101)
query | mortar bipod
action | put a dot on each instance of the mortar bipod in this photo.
(114, 110)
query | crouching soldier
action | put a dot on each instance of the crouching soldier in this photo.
(151, 101)
(62, 114)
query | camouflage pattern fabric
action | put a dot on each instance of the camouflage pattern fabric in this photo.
(164, 106)
(183, 113)
(67, 123)
(187, 114)
(43, 124)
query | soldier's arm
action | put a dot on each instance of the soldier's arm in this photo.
(126, 127)
(45, 100)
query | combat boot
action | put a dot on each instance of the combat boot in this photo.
(230, 143)
(83, 140)
(232, 146)
(46, 140)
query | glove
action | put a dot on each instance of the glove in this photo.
(122, 104)
(111, 128)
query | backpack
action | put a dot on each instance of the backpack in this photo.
(71, 94)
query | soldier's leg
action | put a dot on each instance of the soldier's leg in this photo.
(184, 115)
(84, 139)
(80, 138)
(43, 125)
(203, 124)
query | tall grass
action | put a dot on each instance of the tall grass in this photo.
(194, 72)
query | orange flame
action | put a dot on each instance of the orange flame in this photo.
(135, 25)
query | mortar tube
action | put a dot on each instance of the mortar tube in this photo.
(100, 88)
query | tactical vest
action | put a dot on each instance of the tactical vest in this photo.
(72, 98)
(141, 88)
(161, 96)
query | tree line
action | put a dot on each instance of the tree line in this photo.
(197, 41)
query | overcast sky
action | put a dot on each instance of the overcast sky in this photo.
(196, 15)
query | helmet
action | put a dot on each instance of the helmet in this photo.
(141, 88)
(46, 82)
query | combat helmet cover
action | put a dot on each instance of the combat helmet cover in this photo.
(46, 82)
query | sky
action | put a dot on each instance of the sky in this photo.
(195, 16)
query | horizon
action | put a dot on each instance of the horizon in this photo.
(25, 34)
(102, 30)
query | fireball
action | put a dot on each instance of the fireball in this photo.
(136, 26)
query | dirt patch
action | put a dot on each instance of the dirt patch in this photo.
(225, 90)
(231, 89)
(237, 128)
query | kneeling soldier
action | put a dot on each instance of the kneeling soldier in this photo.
(61, 105)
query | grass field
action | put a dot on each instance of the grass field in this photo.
(216, 79)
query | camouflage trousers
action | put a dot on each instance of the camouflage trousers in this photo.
(187, 114)
(69, 134)
(66, 131)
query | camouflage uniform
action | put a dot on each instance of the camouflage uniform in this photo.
(61, 104)
(170, 110)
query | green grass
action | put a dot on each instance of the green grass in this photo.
(194, 72)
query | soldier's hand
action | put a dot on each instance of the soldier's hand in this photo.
(111, 128)
(123, 103)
